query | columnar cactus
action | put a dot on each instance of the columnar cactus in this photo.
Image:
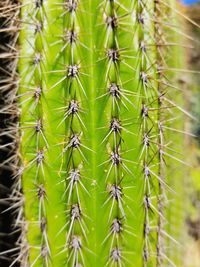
(97, 97)
(9, 33)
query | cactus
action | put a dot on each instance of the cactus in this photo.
(97, 134)
(9, 33)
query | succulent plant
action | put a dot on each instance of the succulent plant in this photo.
(101, 126)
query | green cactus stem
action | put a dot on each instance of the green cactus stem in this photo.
(99, 153)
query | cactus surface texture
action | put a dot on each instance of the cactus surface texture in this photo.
(98, 159)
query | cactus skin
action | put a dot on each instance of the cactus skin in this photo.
(94, 99)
